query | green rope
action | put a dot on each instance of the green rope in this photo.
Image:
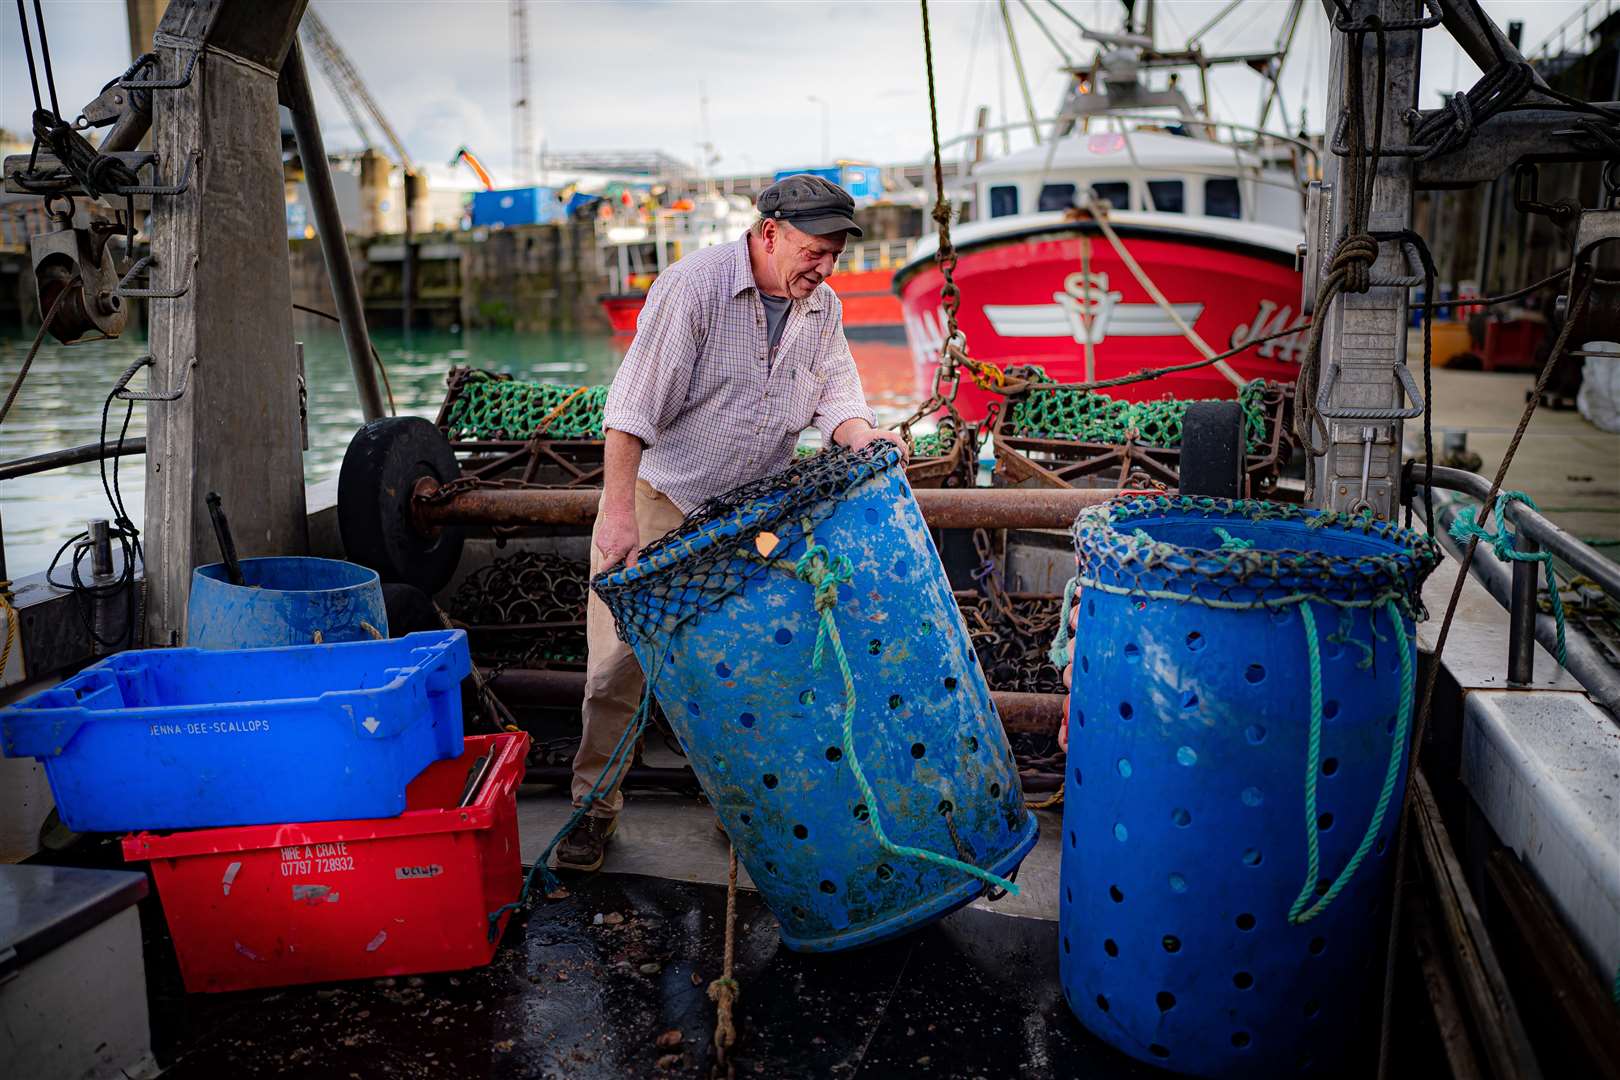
(618, 761)
(1504, 543)
(1232, 543)
(1059, 653)
(1299, 914)
(824, 574)
(487, 407)
(1088, 416)
(934, 443)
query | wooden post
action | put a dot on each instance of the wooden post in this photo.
(229, 338)
(1366, 332)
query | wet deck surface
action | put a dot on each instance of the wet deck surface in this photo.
(974, 996)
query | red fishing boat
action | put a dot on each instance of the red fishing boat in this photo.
(1136, 234)
(864, 282)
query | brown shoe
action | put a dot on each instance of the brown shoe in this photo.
(585, 848)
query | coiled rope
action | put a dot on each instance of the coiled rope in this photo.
(824, 573)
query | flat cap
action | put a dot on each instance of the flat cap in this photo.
(811, 204)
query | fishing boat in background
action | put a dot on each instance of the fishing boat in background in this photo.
(1129, 191)
(637, 242)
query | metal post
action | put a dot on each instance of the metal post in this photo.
(408, 274)
(329, 226)
(101, 564)
(1522, 614)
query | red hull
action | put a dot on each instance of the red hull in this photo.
(622, 310)
(1025, 300)
(871, 309)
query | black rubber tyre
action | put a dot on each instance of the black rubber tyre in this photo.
(380, 470)
(1212, 449)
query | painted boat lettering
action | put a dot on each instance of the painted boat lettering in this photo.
(215, 727)
(1272, 319)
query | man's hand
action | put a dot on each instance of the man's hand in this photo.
(857, 434)
(618, 538)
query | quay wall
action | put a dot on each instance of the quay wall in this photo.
(536, 277)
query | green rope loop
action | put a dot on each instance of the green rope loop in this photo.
(1232, 543)
(1059, 652)
(1299, 913)
(1505, 544)
(822, 574)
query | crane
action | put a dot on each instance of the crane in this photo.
(350, 89)
(356, 98)
(522, 121)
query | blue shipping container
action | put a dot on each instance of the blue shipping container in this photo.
(195, 738)
(507, 207)
(863, 182)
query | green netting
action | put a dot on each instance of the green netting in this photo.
(489, 406)
(935, 443)
(1088, 416)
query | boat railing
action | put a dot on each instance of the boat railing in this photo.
(1252, 137)
(1590, 16)
(876, 255)
(1515, 586)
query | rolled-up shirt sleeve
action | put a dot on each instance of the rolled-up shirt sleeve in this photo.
(651, 383)
(841, 396)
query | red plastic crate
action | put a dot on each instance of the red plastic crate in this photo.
(270, 905)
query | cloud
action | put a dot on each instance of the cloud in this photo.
(613, 74)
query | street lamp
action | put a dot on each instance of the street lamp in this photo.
(826, 126)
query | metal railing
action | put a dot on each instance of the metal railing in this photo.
(1558, 43)
(876, 255)
(1515, 587)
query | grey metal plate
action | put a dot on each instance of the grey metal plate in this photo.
(1544, 768)
(42, 907)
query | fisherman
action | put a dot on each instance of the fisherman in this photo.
(739, 348)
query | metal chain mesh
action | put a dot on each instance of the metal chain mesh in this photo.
(490, 406)
(732, 540)
(1089, 416)
(527, 609)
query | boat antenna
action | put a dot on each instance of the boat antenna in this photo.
(1284, 46)
(1018, 66)
(1068, 61)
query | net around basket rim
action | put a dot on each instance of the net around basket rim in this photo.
(712, 553)
(1112, 543)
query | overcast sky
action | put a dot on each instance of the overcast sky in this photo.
(618, 74)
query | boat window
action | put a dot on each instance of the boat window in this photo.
(1056, 197)
(1116, 193)
(1167, 196)
(1003, 200)
(1221, 198)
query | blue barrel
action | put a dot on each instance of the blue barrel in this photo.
(284, 601)
(723, 615)
(1226, 831)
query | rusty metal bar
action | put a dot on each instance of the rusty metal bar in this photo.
(1036, 713)
(942, 508)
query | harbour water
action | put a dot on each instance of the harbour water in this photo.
(61, 406)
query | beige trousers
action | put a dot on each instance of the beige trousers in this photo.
(613, 679)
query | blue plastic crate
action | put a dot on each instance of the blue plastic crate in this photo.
(192, 738)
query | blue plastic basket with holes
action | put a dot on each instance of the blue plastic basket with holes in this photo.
(727, 627)
(195, 738)
(1226, 827)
